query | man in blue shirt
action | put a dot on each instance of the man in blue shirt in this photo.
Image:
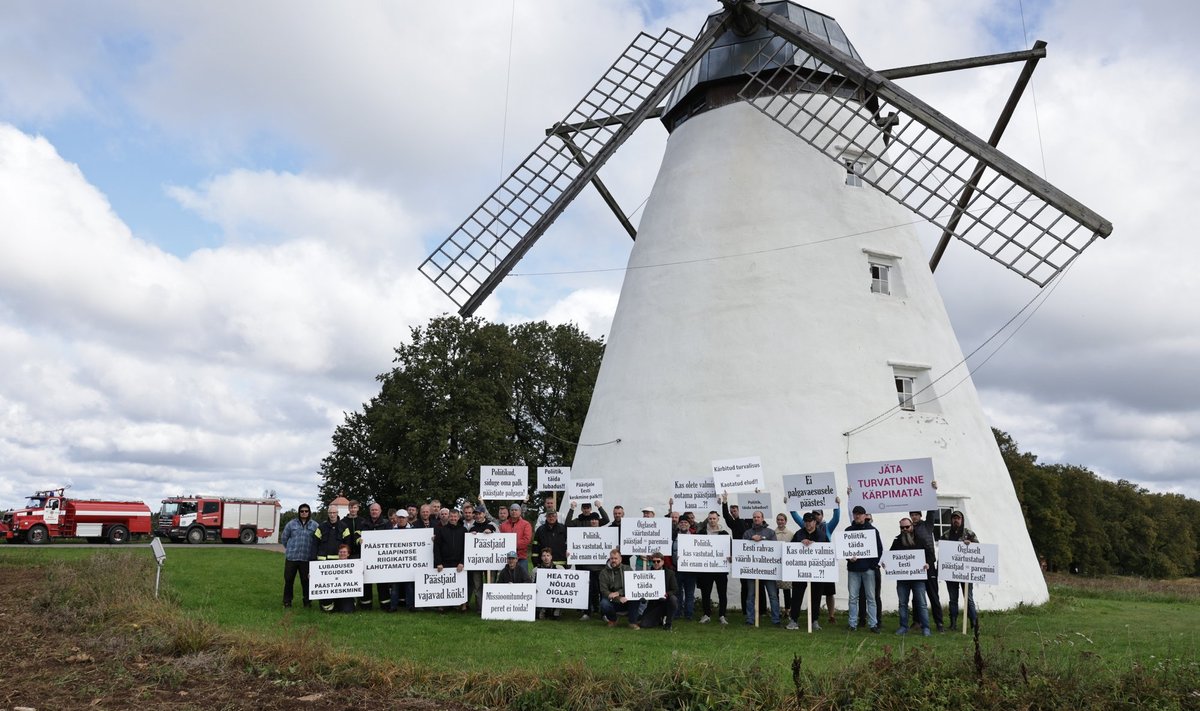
(297, 540)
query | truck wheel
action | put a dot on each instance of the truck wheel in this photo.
(195, 535)
(37, 535)
(118, 535)
(247, 536)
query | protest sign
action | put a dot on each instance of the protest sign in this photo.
(395, 556)
(759, 560)
(857, 544)
(584, 491)
(504, 483)
(816, 562)
(487, 551)
(960, 562)
(903, 565)
(702, 554)
(644, 536)
(897, 485)
(517, 601)
(335, 578)
(562, 588)
(762, 503)
(590, 545)
(553, 478)
(809, 492)
(645, 584)
(445, 589)
(696, 495)
(738, 475)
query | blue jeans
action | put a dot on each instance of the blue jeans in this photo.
(862, 581)
(610, 609)
(410, 596)
(772, 595)
(687, 595)
(972, 615)
(915, 588)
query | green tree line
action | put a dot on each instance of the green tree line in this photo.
(464, 393)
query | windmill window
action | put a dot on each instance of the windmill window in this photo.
(904, 391)
(880, 283)
(854, 172)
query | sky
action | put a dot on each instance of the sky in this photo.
(211, 218)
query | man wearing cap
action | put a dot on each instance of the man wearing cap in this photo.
(907, 541)
(928, 535)
(760, 531)
(518, 525)
(552, 535)
(661, 611)
(514, 571)
(402, 592)
(958, 531)
(861, 575)
(612, 592)
(298, 545)
(549, 506)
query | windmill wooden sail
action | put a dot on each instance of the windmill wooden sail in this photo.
(777, 298)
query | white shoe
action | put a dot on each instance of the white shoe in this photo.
(705, 620)
(584, 617)
(723, 620)
(793, 626)
(816, 626)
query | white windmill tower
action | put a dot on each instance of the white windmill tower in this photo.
(777, 297)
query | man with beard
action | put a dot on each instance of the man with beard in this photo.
(927, 534)
(298, 545)
(959, 532)
(908, 541)
(861, 574)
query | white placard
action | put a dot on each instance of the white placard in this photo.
(898, 485)
(487, 551)
(509, 601)
(504, 483)
(395, 556)
(762, 503)
(696, 495)
(562, 588)
(738, 475)
(756, 560)
(444, 589)
(584, 491)
(816, 562)
(588, 545)
(808, 492)
(698, 553)
(329, 579)
(903, 565)
(645, 536)
(645, 584)
(862, 543)
(553, 478)
(960, 562)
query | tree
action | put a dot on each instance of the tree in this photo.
(464, 393)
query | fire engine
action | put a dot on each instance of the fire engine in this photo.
(196, 519)
(50, 514)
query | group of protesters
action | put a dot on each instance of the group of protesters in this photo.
(544, 542)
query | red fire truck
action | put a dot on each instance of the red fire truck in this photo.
(50, 514)
(196, 519)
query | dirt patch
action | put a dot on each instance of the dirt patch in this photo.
(47, 666)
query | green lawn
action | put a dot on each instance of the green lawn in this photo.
(240, 588)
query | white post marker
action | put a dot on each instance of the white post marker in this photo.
(504, 483)
(562, 588)
(808, 492)
(738, 475)
(696, 495)
(160, 556)
(445, 589)
(897, 485)
(503, 601)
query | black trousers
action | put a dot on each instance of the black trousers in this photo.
(290, 569)
(707, 580)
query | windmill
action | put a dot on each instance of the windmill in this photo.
(777, 298)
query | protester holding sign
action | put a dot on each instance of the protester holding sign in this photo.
(518, 525)
(376, 521)
(807, 535)
(958, 531)
(706, 581)
(612, 592)
(587, 515)
(908, 541)
(545, 561)
(449, 545)
(661, 611)
(928, 535)
(861, 573)
(783, 533)
(552, 535)
(687, 580)
(760, 531)
(514, 571)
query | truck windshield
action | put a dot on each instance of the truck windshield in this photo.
(34, 503)
(169, 508)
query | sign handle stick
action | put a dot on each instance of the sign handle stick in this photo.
(966, 590)
(757, 604)
(812, 599)
(157, 576)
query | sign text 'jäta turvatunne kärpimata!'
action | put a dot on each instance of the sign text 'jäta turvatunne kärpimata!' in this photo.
(895, 485)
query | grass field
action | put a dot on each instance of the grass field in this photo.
(1089, 632)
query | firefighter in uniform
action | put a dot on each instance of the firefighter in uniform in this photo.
(329, 536)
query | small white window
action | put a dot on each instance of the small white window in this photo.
(880, 283)
(904, 391)
(854, 172)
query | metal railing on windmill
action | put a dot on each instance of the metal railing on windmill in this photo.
(810, 81)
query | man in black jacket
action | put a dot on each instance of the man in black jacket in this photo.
(928, 535)
(376, 521)
(908, 541)
(552, 535)
(661, 611)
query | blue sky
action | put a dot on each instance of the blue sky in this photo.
(209, 230)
